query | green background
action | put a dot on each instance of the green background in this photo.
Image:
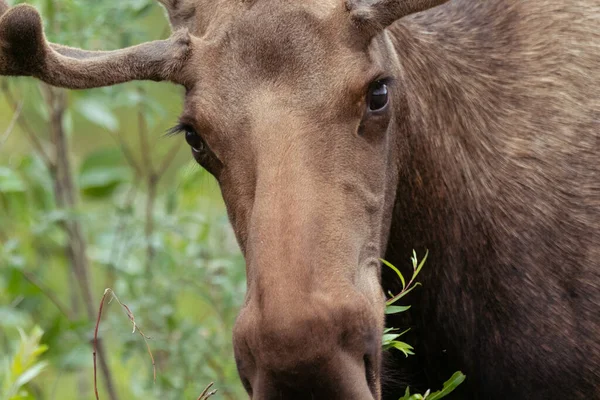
(152, 221)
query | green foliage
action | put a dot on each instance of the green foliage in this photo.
(448, 388)
(10, 182)
(23, 366)
(186, 299)
(102, 171)
(390, 335)
(174, 260)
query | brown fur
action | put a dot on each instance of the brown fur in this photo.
(501, 184)
(488, 157)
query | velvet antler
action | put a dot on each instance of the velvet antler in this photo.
(375, 16)
(25, 51)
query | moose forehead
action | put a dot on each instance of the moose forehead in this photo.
(284, 45)
(300, 52)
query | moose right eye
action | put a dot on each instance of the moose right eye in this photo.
(377, 97)
(194, 140)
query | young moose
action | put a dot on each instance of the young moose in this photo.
(342, 132)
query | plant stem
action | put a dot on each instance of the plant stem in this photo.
(29, 132)
(65, 193)
(152, 180)
(12, 123)
(49, 293)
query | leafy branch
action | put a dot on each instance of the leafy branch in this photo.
(24, 366)
(448, 388)
(390, 335)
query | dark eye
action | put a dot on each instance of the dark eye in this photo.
(377, 98)
(194, 140)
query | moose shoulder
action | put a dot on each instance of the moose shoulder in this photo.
(501, 183)
(341, 132)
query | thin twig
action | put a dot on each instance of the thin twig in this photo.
(66, 196)
(135, 328)
(143, 136)
(206, 394)
(149, 223)
(13, 121)
(96, 345)
(33, 139)
(129, 157)
(49, 293)
(121, 224)
(152, 179)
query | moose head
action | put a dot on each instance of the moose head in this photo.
(294, 107)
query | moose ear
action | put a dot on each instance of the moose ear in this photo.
(374, 16)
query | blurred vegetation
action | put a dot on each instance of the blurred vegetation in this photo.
(92, 196)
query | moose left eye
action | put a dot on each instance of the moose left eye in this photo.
(194, 140)
(377, 98)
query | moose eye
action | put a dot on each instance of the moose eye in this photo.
(194, 140)
(377, 98)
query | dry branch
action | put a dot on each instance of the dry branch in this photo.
(206, 393)
(135, 328)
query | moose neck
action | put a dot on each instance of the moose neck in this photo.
(495, 124)
(450, 132)
(454, 80)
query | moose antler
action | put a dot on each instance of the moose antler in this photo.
(25, 51)
(375, 16)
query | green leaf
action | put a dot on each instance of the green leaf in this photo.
(388, 338)
(396, 271)
(102, 171)
(406, 394)
(98, 113)
(24, 365)
(396, 309)
(30, 373)
(421, 263)
(10, 182)
(449, 386)
(405, 348)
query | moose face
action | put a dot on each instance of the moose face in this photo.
(296, 125)
(292, 107)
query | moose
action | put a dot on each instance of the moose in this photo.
(346, 132)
